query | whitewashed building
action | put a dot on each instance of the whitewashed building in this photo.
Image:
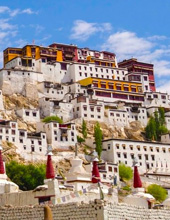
(62, 109)
(29, 115)
(152, 156)
(60, 136)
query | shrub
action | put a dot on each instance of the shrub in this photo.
(125, 172)
(158, 192)
(80, 139)
(52, 118)
(27, 177)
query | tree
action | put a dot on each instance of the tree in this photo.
(125, 172)
(84, 129)
(156, 125)
(150, 129)
(27, 177)
(98, 138)
(80, 139)
(158, 192)
(52, 118)
(161, 116)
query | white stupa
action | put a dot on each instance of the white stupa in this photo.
(5, 185)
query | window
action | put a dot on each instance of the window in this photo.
(72, 133)
(40, 149)
(125, 155)
(146, 157)
(118, 155)
(21, 140)
(145, 148)
(92, 116)
(85, 115)
(115, 169)
(140, 157)
(27, 113)
(108, 146)
(151, 149)
(153, 157)
(131, 147)
(24, 147)
(34, 114)
(132, 156)
(85, 108)
(157, 149)
(110, 169)
(13, 125)
(13, 139)
(163, 149)
(13, 132)
(138, 147)
(32, 148)
(117, 146)
(39, 142)
(7, 132)
(104, 176)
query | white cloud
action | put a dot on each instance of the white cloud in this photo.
(38, 28)
(28, 11)
(157, 37)
(164, 87)
(5, 25)
(4, 9)
(126, 44)
(15, 12)
(82, 30)
(21, 42)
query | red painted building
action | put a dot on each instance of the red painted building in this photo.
(133, 65)
(69, 51)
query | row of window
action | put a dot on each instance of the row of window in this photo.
(146, 156)
(96, 69)
(139, 148)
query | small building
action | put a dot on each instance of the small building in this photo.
(29, 115)
(60, 136)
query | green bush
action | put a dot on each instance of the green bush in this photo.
(27, 177)
(158, 192)
(127, 188)
(52, 118)
(125, 172)
(80, 139)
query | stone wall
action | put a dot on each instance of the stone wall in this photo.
(96, 210)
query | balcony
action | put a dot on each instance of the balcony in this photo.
(64, 134)
(81, 99)
(48, 85)
(135, 109)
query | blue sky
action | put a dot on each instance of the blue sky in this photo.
(129, 28)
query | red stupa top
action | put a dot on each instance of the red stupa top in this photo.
(95, 172)
(2, 169)
(137, 183)
(49, 168)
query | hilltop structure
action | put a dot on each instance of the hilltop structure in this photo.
(79, 83)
